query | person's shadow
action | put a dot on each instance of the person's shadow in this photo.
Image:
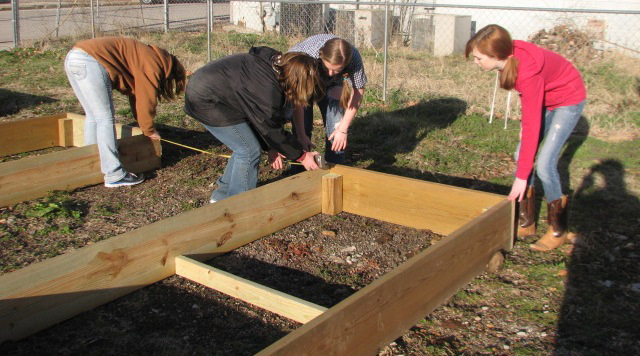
(11, 102)
(600, 313)
(398, 131)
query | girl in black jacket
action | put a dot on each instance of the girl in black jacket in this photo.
(241, 99)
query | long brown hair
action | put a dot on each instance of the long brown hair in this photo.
(175, 82)
(339, 52)
(300, 78)
(494, 41)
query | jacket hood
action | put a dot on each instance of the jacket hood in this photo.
(265, 53)
(530, 59)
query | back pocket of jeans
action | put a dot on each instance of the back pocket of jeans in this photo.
(77, 70)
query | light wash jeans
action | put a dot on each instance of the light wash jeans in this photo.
(241, 173)
(558, 126)
(331, 116)
(91, 84)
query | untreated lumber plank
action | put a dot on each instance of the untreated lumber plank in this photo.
(48, 292)
(373, 317)
(29, 135)
(331, 194)
(263, 297)
(33, 177)
(411, 202)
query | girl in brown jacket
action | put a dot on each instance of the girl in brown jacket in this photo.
(144, 73)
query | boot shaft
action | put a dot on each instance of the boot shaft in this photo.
(557, 214)
(527, 208)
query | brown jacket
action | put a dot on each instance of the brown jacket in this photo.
(136, 70)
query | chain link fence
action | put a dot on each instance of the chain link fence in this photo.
(409, 47)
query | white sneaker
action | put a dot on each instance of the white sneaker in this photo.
(129, 179)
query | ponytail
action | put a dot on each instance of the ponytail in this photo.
(347, 91)
(509, 74)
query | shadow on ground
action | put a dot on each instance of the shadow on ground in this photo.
(11, 102)
(600, 313)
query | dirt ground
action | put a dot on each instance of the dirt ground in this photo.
(323, 259)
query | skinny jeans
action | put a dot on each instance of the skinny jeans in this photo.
(92, 86)
(241, 173)
(558, 124)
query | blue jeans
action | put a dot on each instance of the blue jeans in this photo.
(331, 116)
(558, 125)
(241, 173)
(91, 84)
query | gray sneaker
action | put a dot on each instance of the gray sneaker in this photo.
(129, 179)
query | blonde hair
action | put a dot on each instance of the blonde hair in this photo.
(175, 82)
(300, 78)
(339, 52)
(494, 41)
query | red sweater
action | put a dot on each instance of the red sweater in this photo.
(545, 80)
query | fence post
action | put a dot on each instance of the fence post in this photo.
(15, 18)
(58, 7)
(386, 39)
(93, 21)
(209, 28)
(166, 16)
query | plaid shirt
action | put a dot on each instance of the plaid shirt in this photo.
(355, 69)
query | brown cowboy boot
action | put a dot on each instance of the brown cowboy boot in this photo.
(527, 216)
(558, 222)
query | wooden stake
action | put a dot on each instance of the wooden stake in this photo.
(331, 193)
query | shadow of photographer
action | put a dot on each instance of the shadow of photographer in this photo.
(600, 312)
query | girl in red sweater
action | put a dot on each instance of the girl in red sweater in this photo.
(553, 97)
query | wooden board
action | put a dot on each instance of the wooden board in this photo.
(373, 317)
(411, 202)
(29, 135)
(263, 297)
(33, 177)
(48, 292)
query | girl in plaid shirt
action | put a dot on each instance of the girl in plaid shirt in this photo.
(345, 81)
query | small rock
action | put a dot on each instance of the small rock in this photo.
(562, 272)
(485, 308)
(329, 233)
(477, 318)
(195, 306)
(506, 347)
(349, 249)
(336, 259)
(521, 333)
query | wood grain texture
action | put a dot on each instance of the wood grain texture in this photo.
(370, 319)
(48, 292)
(410, 202)
(331, 194)
(263, 297)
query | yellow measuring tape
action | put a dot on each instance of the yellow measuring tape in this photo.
(207, 152)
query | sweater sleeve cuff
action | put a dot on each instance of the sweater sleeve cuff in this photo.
(301, 158)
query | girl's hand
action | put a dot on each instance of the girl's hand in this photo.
(154, 136)
(338, 139)
(275, 159)
(518, 189)
(309, 162)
